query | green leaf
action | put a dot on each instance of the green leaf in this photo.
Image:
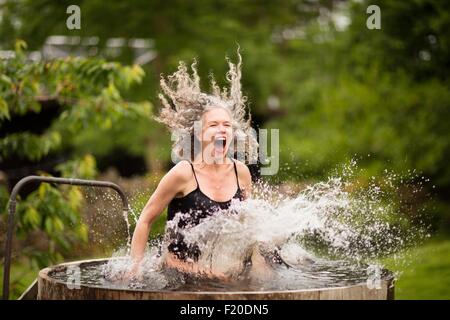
(4, 111)
(48, 225)
(42, 191)
(82, 232)
(75, 198)
(20, 45)
(32, 217)
(5, 80)
(58, 224)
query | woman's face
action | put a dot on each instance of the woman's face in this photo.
(217, 132)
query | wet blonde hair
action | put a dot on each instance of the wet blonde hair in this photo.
(183, 103)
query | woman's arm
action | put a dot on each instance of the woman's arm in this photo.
(169, 186)
(245, 179)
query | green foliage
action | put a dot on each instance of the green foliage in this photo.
(54, 213)
(404, 131)
(18, 84)
(3, 197)
(379, 96)
(84, 167)
(28, 145)
(89, 92)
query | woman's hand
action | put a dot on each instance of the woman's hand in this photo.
(134, 272)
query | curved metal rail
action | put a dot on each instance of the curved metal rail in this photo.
(12, 210)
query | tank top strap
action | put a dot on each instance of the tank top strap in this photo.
(193, 171)
(235, 171)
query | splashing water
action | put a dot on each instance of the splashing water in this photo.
(125, 217)
(324, 220)
(331, 233)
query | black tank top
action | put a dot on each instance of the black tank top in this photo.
(194, 207)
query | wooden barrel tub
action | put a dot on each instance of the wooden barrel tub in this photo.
(53, 289)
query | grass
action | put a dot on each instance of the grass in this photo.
(427, 277)
(21, 277)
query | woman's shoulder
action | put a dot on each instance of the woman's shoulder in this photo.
(182, 170)
(242, 168)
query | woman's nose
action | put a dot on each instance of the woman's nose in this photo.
(221, 128)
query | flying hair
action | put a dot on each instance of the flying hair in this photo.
(183, 104)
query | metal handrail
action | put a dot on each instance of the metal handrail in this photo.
(12, 210)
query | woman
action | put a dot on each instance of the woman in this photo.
(207, 178)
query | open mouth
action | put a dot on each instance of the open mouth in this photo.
(219, 144)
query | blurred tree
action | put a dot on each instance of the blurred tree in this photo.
(381, 96)
(88, 93)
